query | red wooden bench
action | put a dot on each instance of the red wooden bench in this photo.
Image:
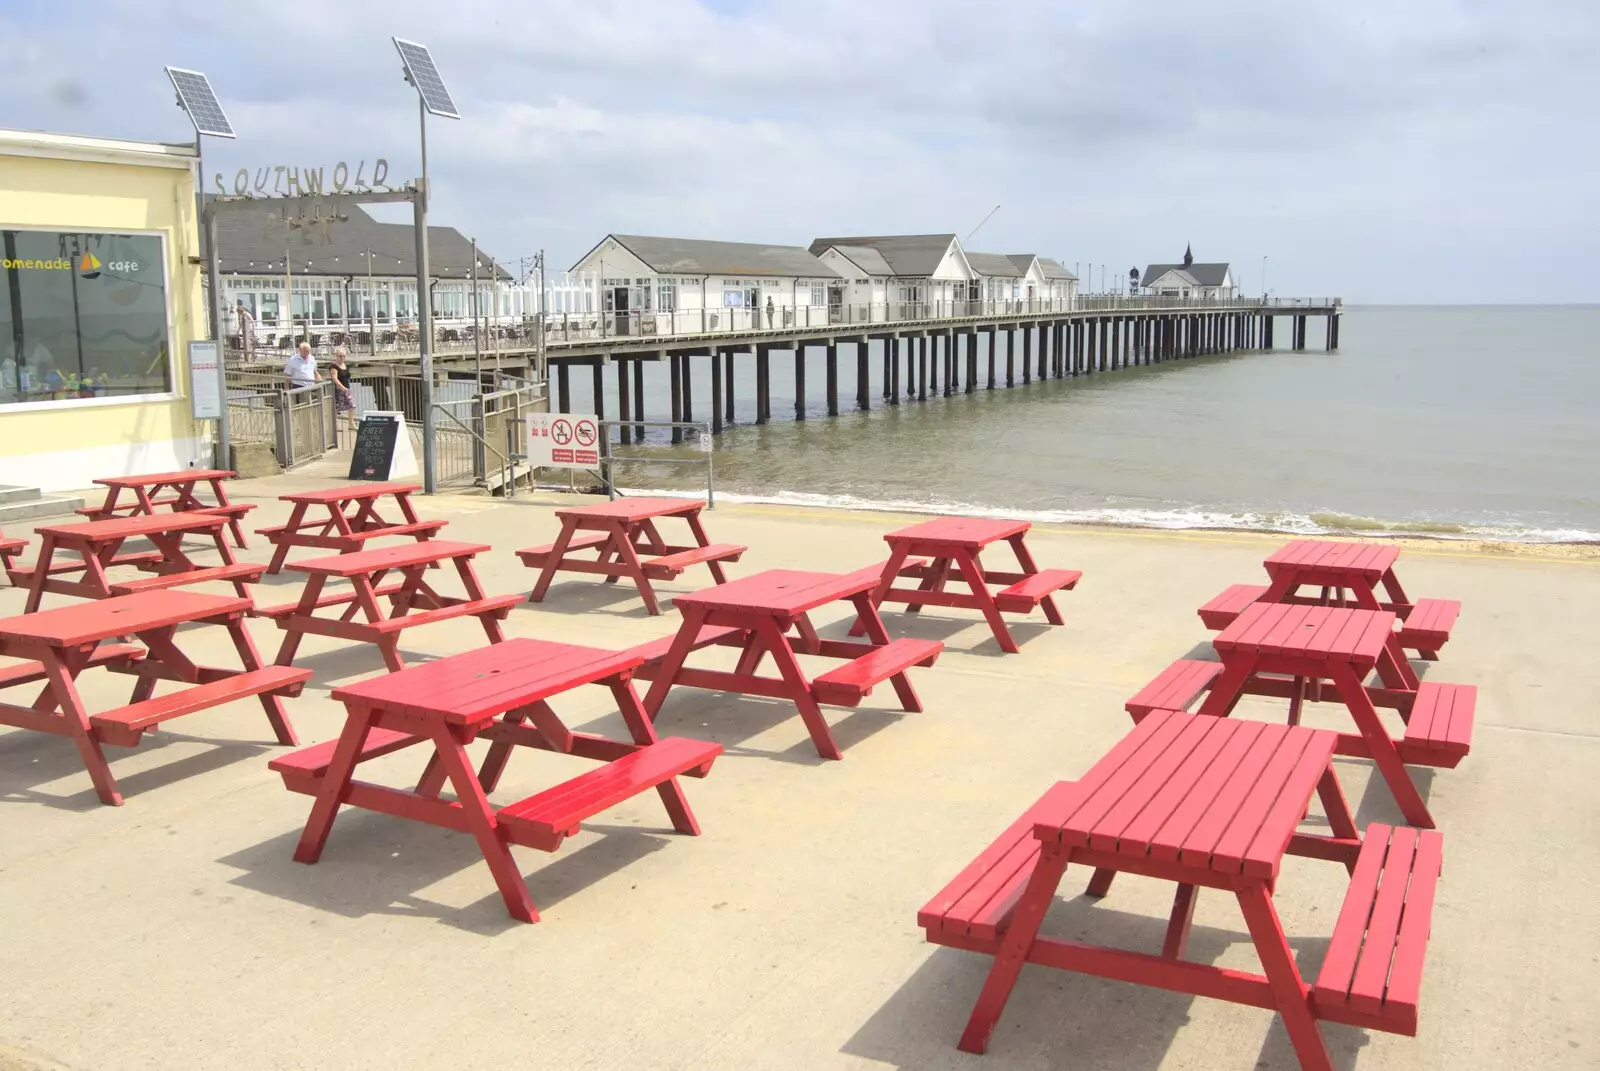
(347, 518)
(1175, 688)
(1439, 724)
(1219, 613)
(655, 650)
(1426, 626)
(238, 574)
(112, 655)
(536, 557)
(413, 601)
(847, 685)
(978, 903)
(125, 725)
(669, 566)
(1372, 973)
(1027, 593)
(545, 819)
(146, 496)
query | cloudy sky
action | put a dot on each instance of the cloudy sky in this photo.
(1411, 151)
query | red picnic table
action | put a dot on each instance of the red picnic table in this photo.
(1286, 650)
(1346, 574)
(412, 599)
(755, 614)
(624, 534)
(145, 494)
(97, 543)
(499, 693)
(10, 548)
(931, 550)
(60, 644)
(353, 517)
(1213, 803)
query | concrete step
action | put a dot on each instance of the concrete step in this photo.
(26, 503)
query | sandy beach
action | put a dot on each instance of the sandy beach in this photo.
(175, 931)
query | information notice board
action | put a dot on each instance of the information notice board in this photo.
(205, 392)
(383, 448)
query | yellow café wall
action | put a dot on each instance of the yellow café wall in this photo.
(69, 183)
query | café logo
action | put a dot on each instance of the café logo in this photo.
(88, 265)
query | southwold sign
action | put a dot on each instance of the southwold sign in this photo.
(285, 181)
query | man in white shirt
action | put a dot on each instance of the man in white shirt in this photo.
(301, 369)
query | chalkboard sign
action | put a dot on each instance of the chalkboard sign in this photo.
(373, 455)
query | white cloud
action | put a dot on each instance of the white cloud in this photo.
(1427, 150)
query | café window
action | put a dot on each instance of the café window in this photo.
(82, 315)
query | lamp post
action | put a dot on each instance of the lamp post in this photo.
(1263, 278)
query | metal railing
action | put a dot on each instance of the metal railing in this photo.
(298, 423)
(481, 439)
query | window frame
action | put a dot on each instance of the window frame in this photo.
(173, 393)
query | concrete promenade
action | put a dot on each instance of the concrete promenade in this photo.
(175, 932)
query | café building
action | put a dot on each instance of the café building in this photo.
(100, 293)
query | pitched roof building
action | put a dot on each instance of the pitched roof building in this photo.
(1190, 279)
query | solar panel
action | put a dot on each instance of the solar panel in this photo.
(425, 76)
(194, 93)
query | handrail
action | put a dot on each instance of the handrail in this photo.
(608, 459)
(508, 467)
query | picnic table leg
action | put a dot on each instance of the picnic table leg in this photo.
(891, 572)
(307, 608)
(698, 530)
(1014, 948)
(272, 704)
(871, 623)
(646, 536)
(671, 793)
(1100, 882)
(938, 576)
(221, 495)
(1395, 670)
(1229, 686)
(1391, 586)
(1025, 559)
(146, 507)
(108, 508)
(755, 648)
(1289, 989)
(972, 573)
(634, 569)
(1177, 938)
(799, 688)
(569, 527)
(284, 538)
(474, 590)
(480, 822)
(1380, 747)
(1341, 823)
(334, 782)
(693, 620)
(807, 641)
(41, 572)
(61, 671)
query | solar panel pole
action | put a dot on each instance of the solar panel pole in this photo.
(424, 307)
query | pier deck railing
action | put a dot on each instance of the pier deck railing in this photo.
(533, 336)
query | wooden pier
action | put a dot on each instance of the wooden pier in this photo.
(920, 359)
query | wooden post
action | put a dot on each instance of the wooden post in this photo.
(1333, 331)
(888, 361)
(638, 399)
(727, 386)
(922, 366)
(763, 382)
(675, 389)
(891, 359)
(1011, 349)
(563, 389)
(972, 361)
(912, 345)
(833, 377)
(688, 387)
(799, 380)
(993, 334)
(716, 393)
(950, 372)
(1027, 353)
(624, 401)
(599, 389)
(863, 381)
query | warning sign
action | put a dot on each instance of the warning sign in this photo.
(563, 440)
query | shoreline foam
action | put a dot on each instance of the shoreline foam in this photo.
(1313, 524)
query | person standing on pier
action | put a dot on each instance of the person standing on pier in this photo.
(301, 369)
(344, 398)
(769, 311)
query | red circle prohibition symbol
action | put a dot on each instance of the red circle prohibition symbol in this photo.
(561, 432)
(586, 433)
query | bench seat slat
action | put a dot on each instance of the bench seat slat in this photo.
(498, 605)
(311, 763)
(1175, 687)
(1427, 626)
(848, 684)
(1027, 593)
(543, 820)
(1372, 973)
(1439, 727)
(655, 650)
(124, 725)
(979, 900)
(668, 566)
(248, 572)
(1219, 613)
(535, 557)
(29, 671)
